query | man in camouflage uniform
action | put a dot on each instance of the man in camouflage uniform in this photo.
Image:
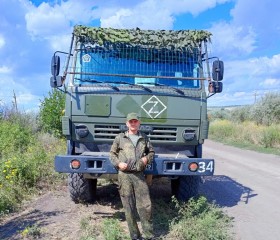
(130, 153)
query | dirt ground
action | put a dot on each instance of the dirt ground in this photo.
(57, 217)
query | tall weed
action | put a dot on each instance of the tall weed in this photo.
(26, 163)
(245, 133)
(221, 129)
(112, 230)
(13, 137)
(270, 136)
(199, 220)
(264, 112)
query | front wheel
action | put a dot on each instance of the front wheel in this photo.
(185, 187)
(81, 189)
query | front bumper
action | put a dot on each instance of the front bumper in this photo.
(163, 164)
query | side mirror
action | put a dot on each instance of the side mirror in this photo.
(56, 81)
(215, 87)
(218, 70)
(55, 65)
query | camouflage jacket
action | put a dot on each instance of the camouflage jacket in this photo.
(123, 150)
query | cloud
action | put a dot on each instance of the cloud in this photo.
(26, 98)
(254, 30)
(146, 15)
(232, 41)
(49, 20)
(252, 70)
(239, 94)
(16, 88)
(245, 78)
(270, 82)
(186, 6)
(152, 14)
(5, 69)
(45, 21)
(116, 20)
(61, 43)
(2, 41)
(262, 17)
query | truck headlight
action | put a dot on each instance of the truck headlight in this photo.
(189, 134)
(81, 130)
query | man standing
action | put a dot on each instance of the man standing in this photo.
(130, 153)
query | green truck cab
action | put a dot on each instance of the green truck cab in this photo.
(164, 76)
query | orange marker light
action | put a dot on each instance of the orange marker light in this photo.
(193, 167)
(75, 164)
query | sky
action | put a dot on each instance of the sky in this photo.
(246, 36)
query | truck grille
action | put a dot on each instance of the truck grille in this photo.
(158, 134)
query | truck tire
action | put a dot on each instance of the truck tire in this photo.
(81, 189)
(185, 187)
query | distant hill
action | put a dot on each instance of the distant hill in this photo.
(229, 107)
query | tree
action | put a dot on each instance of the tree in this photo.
(267, 110)
(51, 110)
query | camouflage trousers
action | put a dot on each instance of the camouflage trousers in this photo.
(135, 195)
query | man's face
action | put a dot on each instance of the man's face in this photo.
(133, 124)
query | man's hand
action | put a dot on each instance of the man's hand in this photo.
(144, 160)
(122, 166)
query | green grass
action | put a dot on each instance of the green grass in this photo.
(112, 230)
(88, 230)
(199, 220)
(195, 220)
(24, 172)
(247, 135)
(107, 229)
(31, 232)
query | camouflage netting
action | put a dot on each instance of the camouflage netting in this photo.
(183, 39)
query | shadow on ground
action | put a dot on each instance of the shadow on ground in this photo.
(224, 191)
(13, 228)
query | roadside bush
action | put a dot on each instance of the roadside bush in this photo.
(25, 120)
(221, 129)
(14, 137)
(199, 220)
(221, 114)
(267, 110)
(240, 114)
(23, 173)
(248, 133)
(51, 110)
(270, 137)
(250, 126)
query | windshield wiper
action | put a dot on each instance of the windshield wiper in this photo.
(132, 84)
(96, 81)
(160, 84)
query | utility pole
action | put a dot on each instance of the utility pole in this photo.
(15, 102)
(255, 94)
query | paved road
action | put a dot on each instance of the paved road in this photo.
(247, 185)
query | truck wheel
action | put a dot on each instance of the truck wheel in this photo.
(81, 189)
(185, 187)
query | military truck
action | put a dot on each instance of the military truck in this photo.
(164, 76)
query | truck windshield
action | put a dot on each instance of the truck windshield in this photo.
(134, 65)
